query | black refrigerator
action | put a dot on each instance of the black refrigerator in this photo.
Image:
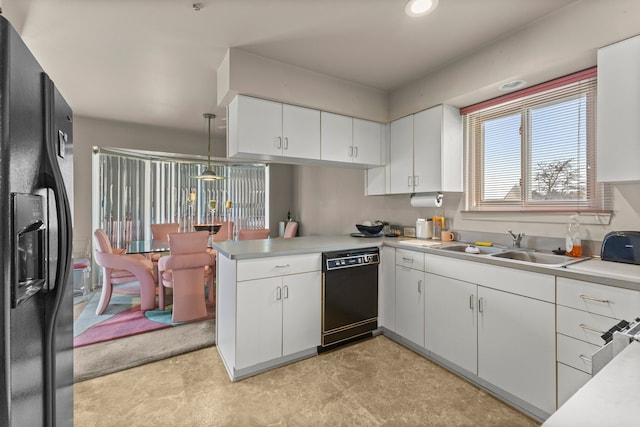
(36, 168)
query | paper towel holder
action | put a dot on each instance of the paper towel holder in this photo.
(427, 199)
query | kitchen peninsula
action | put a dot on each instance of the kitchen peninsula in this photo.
(515, 325)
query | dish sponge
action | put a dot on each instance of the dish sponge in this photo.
(484, 244)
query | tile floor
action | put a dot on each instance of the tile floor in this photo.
(375, 382)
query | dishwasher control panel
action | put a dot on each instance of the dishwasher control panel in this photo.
(347, 259)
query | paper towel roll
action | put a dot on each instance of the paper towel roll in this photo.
(427, 201)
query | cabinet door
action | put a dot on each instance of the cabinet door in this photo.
(336, 137)
(387, 288)
(301, 132)
(259, 126)
(301, 320)
(618, 108)
(367, 142)
(410, 304)
(451, 321)
(427, 150)
(401, 156)
(517, 346)
(259, 321)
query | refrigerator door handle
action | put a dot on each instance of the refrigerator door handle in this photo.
(54, 180)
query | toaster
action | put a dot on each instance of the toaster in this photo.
(621, 246)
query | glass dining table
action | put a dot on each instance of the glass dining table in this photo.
(147, 246)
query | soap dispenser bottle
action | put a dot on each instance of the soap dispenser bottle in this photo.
(574, 238)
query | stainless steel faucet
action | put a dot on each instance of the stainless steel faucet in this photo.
(516, 238)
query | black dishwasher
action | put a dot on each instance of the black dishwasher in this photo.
(349, 294)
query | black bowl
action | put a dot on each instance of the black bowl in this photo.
(370, 230)
(211, 228)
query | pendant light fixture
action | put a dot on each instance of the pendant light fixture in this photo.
(208, 174)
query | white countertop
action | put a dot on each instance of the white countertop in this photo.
(610, 398)
(246, 249)
(604, 272)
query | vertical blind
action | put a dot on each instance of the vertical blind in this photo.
(535, 151)
(136, 190)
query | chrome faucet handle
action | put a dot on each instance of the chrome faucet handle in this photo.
(516, 238)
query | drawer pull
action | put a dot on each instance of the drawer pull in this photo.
(589, 328)
(283, 266)
(587, 297)
(405, 259)
(585, 358)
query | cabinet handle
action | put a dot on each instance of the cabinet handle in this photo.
(409, 181)
(480, 305)
(283, 266)
(416, 181)
(286, 143)
(405, 259)
(350, 151)
(589, 328)
(278, 293)
(286, 292)
(355, 149)
(279, 146)
(419, 286)
(471, 301)
(585, 358)
(589, 298)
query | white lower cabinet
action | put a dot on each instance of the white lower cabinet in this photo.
(410, 304)
(452, 303)
(387, 288)
(277, 316)
(495, 322)
(268, 311)
(516, 346)
(585, 310)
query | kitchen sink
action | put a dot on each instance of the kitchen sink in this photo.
(483, 250)
(549, 260)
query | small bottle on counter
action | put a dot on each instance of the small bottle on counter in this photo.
(574, 238)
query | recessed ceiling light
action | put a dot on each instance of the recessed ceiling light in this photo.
(512, 85)
(420, 7)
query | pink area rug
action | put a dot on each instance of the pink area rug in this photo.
(130, 322)
(123, 324)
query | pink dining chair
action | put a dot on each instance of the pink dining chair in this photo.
(290, 230)
(118, 268)
(225, 232)
(253, 234)
(161, 232)
(186, 270)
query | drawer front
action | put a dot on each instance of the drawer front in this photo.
(583, 325)
(521, 282)
(576, 353)
(605, 300)
(410, 259)
(258, 268)
(569, 381)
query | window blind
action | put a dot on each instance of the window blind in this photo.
(535, 150)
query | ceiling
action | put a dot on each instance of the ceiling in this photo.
(154, 62)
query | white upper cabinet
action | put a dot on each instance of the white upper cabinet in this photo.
(426, 152)
(618, 144)
(267, 130)
(336, 137)
(437, 150)
(401, 156)
(349, 140)
(368, 142)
